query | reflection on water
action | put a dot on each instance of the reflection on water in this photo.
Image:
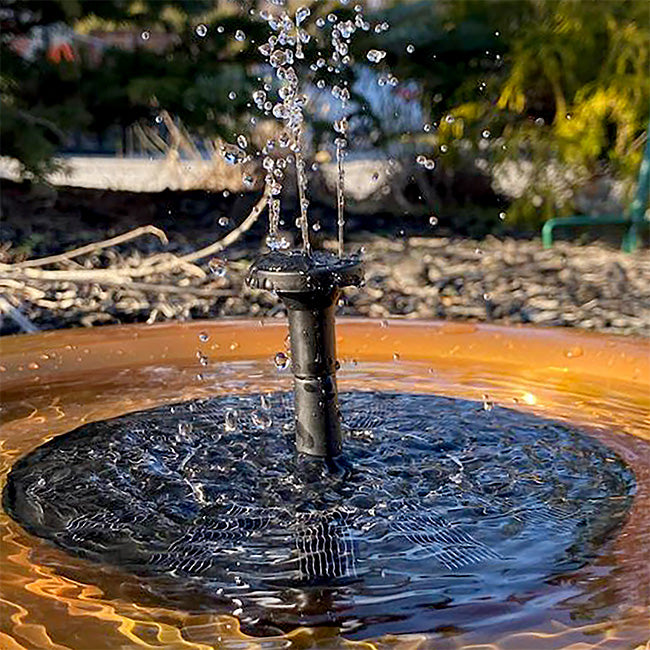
(447, 508)
(53, 599)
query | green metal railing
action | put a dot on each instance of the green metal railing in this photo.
(634, 219)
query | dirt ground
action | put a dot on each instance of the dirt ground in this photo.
(413, 270)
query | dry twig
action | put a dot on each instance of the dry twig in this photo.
(74, 285)
(94, 247)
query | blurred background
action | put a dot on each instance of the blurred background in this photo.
(479, 121)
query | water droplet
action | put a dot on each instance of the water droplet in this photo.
(240, 35)
(426, 128)
(203, 359)
(261, 419)
(488, 405)
(33, 366)
(217, 267)
(242, 142)
(410, 48)
(184, 428)
(146, 35)
(396, 356)
(201, 30)
(302, 14)
(443, 148)
(277, 243)
(232, 95)
(204, 336)
(485, 134)
(230, 421)
(281, 361)
(433, 220)
(375, 56)
(280, 111)
(502, 216)
(427, 163)
(223, 221)
(573, 352)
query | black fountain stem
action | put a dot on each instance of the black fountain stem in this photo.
(309, 286)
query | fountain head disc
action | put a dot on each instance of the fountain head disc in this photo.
(309, 286)
(296, 272)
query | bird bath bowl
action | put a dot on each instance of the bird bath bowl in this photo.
(425, 397)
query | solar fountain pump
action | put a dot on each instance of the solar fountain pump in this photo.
(309, 286)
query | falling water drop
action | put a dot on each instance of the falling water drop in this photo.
(240, 35)
(302, 14)
(201, 30)
(575, 351)
(230, 420)
(375, 56)
(433, 220)
(184, 428)
(281, 361)
(261, 419)
(217, 267)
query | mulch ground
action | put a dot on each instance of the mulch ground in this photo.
(507, 280)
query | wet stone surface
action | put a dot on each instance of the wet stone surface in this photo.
(449, 516)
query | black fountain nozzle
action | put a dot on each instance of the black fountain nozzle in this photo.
(309, 286)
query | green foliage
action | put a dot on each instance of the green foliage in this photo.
(559, 83)
(43, 101)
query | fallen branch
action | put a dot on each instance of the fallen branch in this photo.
(25, 277)
(108, 278)
(222, 244)
(94, 247)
